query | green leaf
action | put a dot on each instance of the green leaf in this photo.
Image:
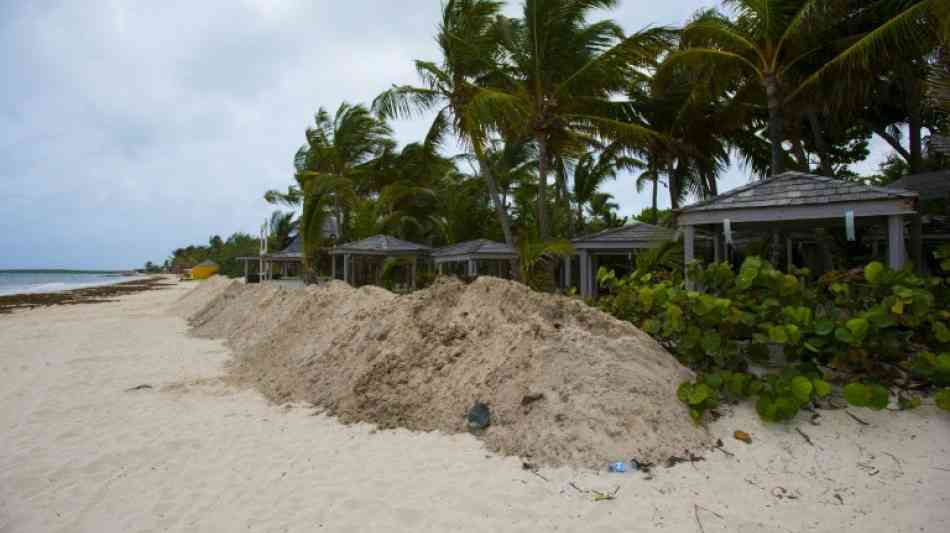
(683, 391)
(856, 394)
(941, 332)
(942, 399)
(843, 335)
(699, 394)
(778, 334)
(801, 389)
(695, 414)
(824, 327)
(822, 388)
(711, 342)
(873, 271)
(858, 328)
(766, 408)
(878, 398)
(714, 380)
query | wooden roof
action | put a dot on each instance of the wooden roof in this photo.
(929, 185)
(475, 249)
(798, 196)
(635, 235)
(380, 245)
(293, 252)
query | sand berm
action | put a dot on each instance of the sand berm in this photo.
(566, 384)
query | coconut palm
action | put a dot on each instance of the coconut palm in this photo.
(591, 172)
(560, 85)
(331, 167)
(469, 43)
(768, 38)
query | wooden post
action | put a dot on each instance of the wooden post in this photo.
(717, 252)
(585, 273)
(346, 267)
(917, 242)
(594, 286)
(245, 269)
(567, 272)
(332, 266)
(472, 268)
(415, 260)
(689, 237)
(896, 252)
(790, 264)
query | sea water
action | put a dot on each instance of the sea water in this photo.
(34, 281)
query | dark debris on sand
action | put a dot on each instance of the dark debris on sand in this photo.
(79, 296)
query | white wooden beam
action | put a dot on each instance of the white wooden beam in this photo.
(896, 251)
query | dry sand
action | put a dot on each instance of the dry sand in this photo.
(566, 383)
(80, 453)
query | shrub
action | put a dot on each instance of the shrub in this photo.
(876, 327)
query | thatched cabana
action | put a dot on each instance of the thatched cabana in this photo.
(623, 241)
(363, 260)
(479, 256)
(795, 208)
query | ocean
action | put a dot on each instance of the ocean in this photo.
(33, 281)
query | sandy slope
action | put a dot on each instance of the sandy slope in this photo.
(79, 453)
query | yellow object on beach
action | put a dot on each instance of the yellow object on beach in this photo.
(204, 270)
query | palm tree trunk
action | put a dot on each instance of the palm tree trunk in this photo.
(820, 144)
(776, 135)
(656, 183)
(675, 186)
(500, 211)
(544, 231)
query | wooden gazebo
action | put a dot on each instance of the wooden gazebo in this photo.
(475, 257)
(795, 206)
(625, 240)
(371, 252)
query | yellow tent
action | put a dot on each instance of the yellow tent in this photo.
(204, 270)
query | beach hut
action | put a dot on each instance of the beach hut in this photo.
(803, 215)
(363, 261)
(625, 241)
(471, 258)
(204, 269)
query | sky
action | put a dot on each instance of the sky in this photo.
(130, 128)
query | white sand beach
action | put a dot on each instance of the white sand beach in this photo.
(81, 452)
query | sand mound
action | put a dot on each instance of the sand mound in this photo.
(566, 384)
(194, 301)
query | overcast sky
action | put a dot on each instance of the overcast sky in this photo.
(129, 128)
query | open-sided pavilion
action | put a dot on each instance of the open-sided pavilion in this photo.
(795, 206)
(479, 256)
(363, 260)
(625, 241)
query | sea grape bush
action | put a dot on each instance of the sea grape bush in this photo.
(876, 327)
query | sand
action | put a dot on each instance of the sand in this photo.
(80, 453)
(566, 384)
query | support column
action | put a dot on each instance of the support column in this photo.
(717, 246)
(415, 261)
(917, 243)
(896, 253)
(594, 286)
(689, 238)
(472, 268)
(585, 273)
(790, 264)
(245, 270)
(567, 272)
(346, 268)
(332, 266)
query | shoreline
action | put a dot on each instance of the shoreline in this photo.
(82, 295)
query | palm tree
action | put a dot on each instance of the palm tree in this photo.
(769, 38)
(331, 167)
(469, 42)
(559, 85)
(280, 227)
(591, 172)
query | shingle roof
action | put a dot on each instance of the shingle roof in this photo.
(796, 188)
(930, 185)
(294, 250)
(636, 232)
(475, 247)
(381, 244)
